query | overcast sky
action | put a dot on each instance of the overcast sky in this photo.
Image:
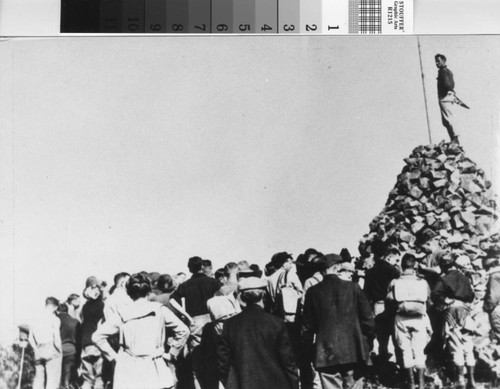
(129, 154)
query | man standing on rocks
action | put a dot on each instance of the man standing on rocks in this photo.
(446, 95)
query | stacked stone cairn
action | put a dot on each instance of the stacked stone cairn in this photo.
(443, 200)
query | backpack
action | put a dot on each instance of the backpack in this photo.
(287, 297)
(411, 296)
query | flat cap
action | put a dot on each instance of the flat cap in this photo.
(328, 260)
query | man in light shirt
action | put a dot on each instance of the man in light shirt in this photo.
(118, 296)
(285, 275)
(117, 299)
(45, 339)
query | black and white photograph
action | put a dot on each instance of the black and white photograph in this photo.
(250, 212)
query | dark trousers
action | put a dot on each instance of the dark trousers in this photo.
(384, 324)
(68, 371)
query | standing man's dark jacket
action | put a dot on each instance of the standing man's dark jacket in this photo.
(255, 352)
(70, 334)
(445, 82)
(92, 314)
(453, 285)
(197, 291)
(340, 315)
(377, 280)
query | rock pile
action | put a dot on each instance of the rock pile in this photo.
(443, 200)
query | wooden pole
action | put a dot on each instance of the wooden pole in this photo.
(21, 368)
(425, 94)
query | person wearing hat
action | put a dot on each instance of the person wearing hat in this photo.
(305, 264)
(315, 279)
(452, 295)
(337, 323)
(284, 277)
(92, 315)
(491, 303)
(255, 350)
(221, 308)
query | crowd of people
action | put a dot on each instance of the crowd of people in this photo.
(312, 322)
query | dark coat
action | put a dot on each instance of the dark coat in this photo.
(255, 352)
(70, 334)
(340, 315)
(92, 314)
(445, 82)
(455, 285)
(207, 351)
(377, 280)
(197, 291)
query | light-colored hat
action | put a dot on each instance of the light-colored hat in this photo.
(222, 307)
(251, 283)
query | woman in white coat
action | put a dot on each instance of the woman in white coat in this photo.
(142, 362)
